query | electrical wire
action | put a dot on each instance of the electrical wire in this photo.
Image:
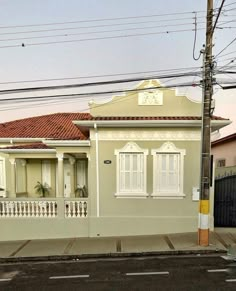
(99, 83)
(101, 19)
(97, 93)
(183, 69)
(230, 4)
(97, 38)
(195, 38)
(218, 15)
(225, 47)
(91, 26)
(92, 32)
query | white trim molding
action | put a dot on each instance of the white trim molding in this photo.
(67, 143)
(148, 135)
(136, 171)
(169, 150)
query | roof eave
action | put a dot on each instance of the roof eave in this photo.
(27, 151)
(78, 143)
(216, 124)
(21, 139)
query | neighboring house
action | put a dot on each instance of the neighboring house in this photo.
(129, 167)
(224, 151)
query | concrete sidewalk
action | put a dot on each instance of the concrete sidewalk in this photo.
(185, 243)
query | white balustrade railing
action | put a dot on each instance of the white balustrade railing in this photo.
(28, 208)
(76, 208)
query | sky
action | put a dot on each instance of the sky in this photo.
(90, 46)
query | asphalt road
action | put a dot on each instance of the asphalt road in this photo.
(141, 273)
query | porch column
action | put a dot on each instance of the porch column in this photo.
(72, 176)
(60, 178)
(24, 181)
(12, 193)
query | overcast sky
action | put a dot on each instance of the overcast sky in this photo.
(91, 52)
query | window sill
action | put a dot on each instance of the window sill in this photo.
(131, 195)
(168, 195)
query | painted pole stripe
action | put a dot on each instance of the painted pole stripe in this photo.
(217, 270)
(68, 277)
(203, 221)
(230, 280)
(5, 280)
(203, 237)
(147, 273)
(204, 206)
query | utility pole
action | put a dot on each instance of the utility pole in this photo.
(203, 225)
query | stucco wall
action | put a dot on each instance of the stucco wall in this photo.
(225, 151)
(127, 105)
(113, 207)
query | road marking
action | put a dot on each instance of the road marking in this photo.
(217, 270)
(5, 280)
(230, 280)
(68, 277)
(146, 273)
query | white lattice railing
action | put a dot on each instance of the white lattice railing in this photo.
(28, 208)
(76, 208)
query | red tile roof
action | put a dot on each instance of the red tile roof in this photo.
(32, 146)
(52, 126)
(109, 118)
(60, 125)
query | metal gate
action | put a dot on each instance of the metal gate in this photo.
(225, 201)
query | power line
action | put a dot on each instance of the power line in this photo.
(97, 38)
(93, 32)
(91, 26)
(195, 38)
(97, 93)
(101, 76)
(226, 47)
(101, 19)
(230, 4)
(218, 15)
(99, 83)
(230, 53)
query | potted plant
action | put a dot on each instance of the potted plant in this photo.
(81, 191)
(42, 189)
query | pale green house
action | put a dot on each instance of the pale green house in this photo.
(129, 167)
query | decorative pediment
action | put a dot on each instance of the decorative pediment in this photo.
(151, 96)
(131, 147)
(168, 147)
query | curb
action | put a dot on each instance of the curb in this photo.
(108, 256)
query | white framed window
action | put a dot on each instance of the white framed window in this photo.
(131, 167)
(46, 173)
(168, 171)
(220, 163)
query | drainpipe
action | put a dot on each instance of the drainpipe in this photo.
(97, 167)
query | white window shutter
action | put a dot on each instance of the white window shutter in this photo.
(131, 172)
(168, 172)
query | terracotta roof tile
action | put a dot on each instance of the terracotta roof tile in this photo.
(109, 118)
(53, 126)
(60, 125)
(34, 146)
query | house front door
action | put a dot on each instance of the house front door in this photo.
(67, 185)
